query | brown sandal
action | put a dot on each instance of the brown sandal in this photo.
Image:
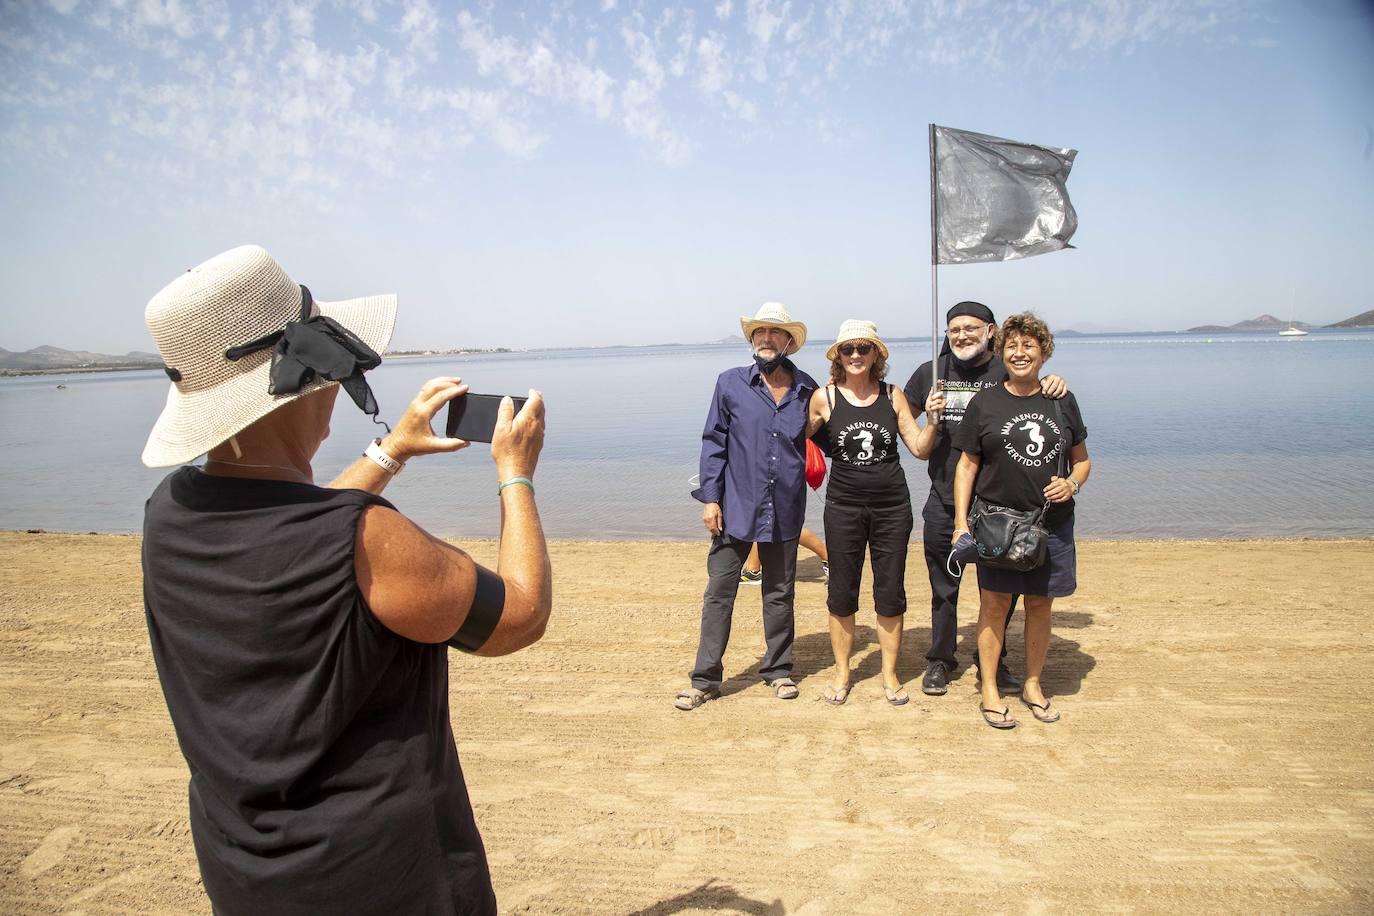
(784, 688)
(1041, 713)
(1005, 722)
(835, 696)
(691, 698)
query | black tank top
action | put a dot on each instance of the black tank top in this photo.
(324, 777)
(866, 468)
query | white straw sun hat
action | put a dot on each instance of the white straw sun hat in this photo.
(774, 315)
(856, 329)
(239, 296)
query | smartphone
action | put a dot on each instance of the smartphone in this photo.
(473, 416)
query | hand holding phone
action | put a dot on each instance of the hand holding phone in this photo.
(518, 438)
(473, 416)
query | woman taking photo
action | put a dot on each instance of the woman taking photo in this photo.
(1012, 439)
(866, 502)
(301, 632)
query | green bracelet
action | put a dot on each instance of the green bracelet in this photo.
(515, 480)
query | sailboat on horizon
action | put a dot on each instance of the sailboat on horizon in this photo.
(1293, 330)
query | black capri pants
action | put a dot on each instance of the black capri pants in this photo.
(885, 531)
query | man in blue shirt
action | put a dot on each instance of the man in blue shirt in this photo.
(753, 482)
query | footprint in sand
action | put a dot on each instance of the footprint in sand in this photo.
(49, 853)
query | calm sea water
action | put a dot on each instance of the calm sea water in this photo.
(1191, 437)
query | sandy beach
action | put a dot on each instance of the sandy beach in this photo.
(1215, 751)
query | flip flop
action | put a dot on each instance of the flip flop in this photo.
(835, 697)
(784, 688)
(1005, 712)
(896, 696)
(1041, 713)
(691, 698)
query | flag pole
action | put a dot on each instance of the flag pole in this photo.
(934, 276)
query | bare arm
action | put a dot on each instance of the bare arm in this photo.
(964, 476)
(925, 440)
(817, 412)
(1060, 490)
(906, 423)
(413, 435)
(422, 589)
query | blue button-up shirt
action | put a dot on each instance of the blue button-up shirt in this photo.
(753, 455)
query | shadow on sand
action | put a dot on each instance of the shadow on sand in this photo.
(1066, 664)
(712, 896)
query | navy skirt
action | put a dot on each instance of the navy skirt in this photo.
(1057, 577)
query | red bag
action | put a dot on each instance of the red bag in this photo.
(815, 465)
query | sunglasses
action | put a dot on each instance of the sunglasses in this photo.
(848, 349)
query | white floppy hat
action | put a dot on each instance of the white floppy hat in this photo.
(235, 298)
(856, 329)
(774, 315)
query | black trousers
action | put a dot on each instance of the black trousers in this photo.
(723, 564)
(944, 588)
(886, 532)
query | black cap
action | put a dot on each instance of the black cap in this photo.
(972, 309)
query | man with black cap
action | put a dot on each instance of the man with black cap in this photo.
(967, 366)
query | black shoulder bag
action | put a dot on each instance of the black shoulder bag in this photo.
(1015, 538)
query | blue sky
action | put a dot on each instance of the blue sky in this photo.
(619, 173)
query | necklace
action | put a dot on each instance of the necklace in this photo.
(294, 472)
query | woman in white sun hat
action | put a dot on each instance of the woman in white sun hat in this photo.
(300, 631)
(867, 504)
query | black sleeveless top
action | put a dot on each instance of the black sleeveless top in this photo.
(324, 777)
(866, 468)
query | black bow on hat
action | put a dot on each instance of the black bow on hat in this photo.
(316, 346)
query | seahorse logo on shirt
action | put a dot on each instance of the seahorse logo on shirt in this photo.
(865, 445)
(873, 441)
(1037, 440)
(1040, 443)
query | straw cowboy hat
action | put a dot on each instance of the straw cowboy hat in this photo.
(222, 330)
(856, 329)
(775, 315)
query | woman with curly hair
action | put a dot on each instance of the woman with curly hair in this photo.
(1012, 440)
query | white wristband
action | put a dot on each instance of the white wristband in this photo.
(383, 460)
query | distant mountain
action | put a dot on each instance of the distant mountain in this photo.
(53, 359)
(1262, 323)
(1362, 320)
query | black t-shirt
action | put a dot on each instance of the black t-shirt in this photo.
(959, 386)
(324, 777)
(865, 465)
(1019, 442)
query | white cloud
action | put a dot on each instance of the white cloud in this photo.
(420, 26)
(300, 18)
(641, 50)
(310, 93)
(714, 74)
(761, 23)
(742, 108)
